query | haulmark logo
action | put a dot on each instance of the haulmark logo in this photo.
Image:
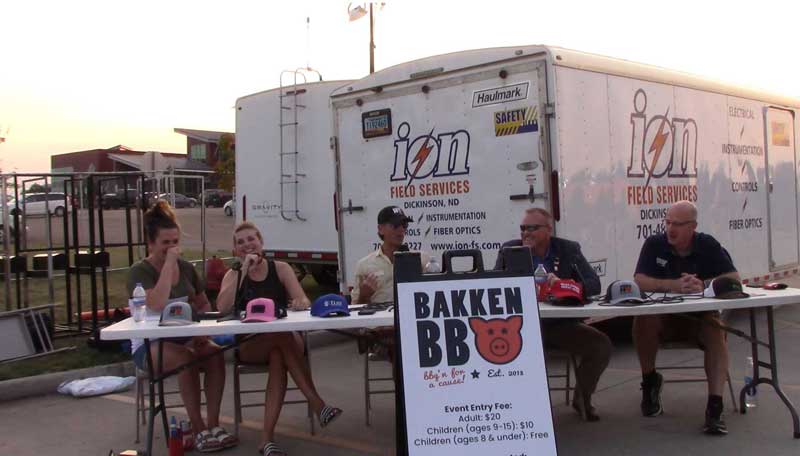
(661, 146)
(499, 95)
(442, 155)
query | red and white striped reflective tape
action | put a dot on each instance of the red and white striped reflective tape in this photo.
(302, 255)
(774, 276)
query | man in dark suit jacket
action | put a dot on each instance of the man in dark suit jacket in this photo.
(563, 260)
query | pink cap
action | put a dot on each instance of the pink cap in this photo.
(260, 310)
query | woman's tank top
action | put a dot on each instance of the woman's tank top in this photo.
(271, 287)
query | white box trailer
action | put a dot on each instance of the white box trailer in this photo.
(284, 174)
(464, 142)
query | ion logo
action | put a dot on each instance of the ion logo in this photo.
(443, 155)
(661, 146)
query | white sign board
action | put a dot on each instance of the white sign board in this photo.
(473, 372)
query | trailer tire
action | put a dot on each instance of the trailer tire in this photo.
(326, 275)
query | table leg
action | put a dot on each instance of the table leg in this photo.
(162, 402)
(772, 366)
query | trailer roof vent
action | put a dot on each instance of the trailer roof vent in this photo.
(426, 73)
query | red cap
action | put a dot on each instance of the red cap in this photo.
(566, 291)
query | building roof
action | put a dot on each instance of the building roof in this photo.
(157, 161)
(202, 135)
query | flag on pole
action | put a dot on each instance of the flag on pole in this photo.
(356, 12)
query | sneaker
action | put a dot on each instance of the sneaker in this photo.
(651, 395)
(715, 425)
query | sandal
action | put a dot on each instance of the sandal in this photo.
(272, 449)
(205, 442)
(328, 414)
(225, 439)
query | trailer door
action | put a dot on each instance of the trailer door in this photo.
(782, 188)
(461, 154)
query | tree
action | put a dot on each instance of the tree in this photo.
(38, 188)
(226, 165)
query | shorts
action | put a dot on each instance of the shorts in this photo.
(687, 327)
(140, 355)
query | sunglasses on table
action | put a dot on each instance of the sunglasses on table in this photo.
(531, 228)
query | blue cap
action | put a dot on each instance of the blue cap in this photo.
(329, 305)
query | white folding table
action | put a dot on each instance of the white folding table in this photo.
(303, 321)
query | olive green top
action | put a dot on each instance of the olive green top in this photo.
(189, 283)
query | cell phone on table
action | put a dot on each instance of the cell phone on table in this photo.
(366, 311)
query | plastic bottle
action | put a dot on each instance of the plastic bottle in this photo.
(540, 277)
(139, 299)
(175, 439)
(750, 398)
(433, 266)
(186, 430)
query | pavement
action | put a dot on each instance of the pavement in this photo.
(59, 425)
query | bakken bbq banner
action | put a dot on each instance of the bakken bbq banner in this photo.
(472, 366)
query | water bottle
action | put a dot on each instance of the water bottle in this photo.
(188, 439)
(139, 299)
(540, 277)
(750, 399)
(433, 266)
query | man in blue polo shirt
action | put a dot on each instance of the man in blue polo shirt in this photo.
(680, 261)
(563, 260)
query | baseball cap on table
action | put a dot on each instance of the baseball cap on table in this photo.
(624, 292)
(725, 288)
(329, 305)
(176, 314)
(565, 292)
(393, 214)
(259, 310)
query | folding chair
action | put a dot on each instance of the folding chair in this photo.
(241, 368)
(554, 354)
(141, 402)
(704, 379)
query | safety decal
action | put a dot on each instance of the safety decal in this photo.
(516, 121)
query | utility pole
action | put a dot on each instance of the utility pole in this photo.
(371, 41)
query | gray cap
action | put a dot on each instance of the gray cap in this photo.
(176, 314)
(624, 291)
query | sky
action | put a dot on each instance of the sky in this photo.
(82, 74)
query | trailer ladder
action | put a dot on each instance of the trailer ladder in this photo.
(289, 153)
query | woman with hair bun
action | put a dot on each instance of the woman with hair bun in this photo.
(166, 277)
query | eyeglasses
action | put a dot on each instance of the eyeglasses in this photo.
(399, 224)
(669, 223)
(531, 228)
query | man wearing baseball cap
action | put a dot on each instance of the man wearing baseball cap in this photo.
(374, 281)
(679, 261)
(375, 272)
(563, 260)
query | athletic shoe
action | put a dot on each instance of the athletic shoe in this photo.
(651, 395)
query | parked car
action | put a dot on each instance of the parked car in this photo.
(38, 203)
(215, 197)
(121, 198)
(229, 208)
(180, 200)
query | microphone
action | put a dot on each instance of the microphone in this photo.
(580, 279)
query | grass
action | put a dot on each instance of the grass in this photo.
(85, 356)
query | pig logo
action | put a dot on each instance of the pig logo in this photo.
(498, 340)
